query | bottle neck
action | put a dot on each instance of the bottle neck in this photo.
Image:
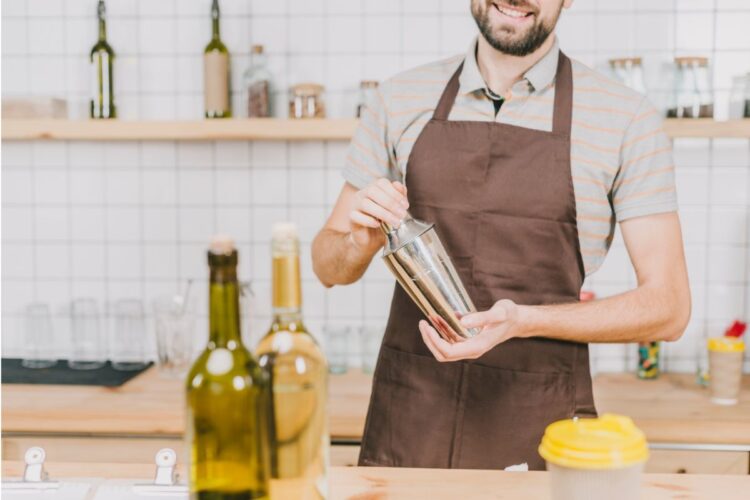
(258, 60)
(287, 292)
(102, 23)
(224, 310)
(215, 20)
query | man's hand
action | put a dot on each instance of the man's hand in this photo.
(657, 310)
(351, 237)
(381, 200)
(498, 324)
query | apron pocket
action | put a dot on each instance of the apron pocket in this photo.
(412, 414)
(506, 414)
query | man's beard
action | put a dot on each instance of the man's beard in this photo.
(533, 39)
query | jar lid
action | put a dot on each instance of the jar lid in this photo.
(726, 344)
(624, 61)
(307, 89)
(256, 49)
(608, 442)
(687, 60)
(369, 84)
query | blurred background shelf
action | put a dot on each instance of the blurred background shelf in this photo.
(199, 130)
(269, 129)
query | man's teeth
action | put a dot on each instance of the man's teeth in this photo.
(511, 13)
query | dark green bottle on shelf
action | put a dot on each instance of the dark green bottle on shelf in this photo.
(228, 398)
(102, 61)
(216, 71)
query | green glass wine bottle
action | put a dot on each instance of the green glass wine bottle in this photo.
(216, 71)
(299, 382)
(102, 59)
(228, 398)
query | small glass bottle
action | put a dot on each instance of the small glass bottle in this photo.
(367, 90)
(648, 360)
(257, 85)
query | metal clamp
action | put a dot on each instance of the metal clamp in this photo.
(167, 478)
(34, 475)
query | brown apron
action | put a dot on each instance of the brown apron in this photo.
(502, 200)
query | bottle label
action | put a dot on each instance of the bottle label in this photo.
(100, 84)
(216, 83)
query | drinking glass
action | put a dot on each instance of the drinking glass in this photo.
(88, 341)
(337, 347)
(371, 336)
(38, 337)
(129, 340)
(175, 320)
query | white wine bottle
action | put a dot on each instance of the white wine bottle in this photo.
(299, 382)
(216, 71)
(102, 59)
(228, 398)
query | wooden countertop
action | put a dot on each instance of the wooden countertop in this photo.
(378, 482)
(672, 409)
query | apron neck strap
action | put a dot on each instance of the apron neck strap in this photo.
(562, 112)
(449, 96)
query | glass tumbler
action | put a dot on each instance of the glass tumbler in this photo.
(88, 341)
(337, 347)
(128, 345)
(371, 336)
(174, 317)
(38, 337)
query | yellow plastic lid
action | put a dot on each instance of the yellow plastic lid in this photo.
(608, 442)
(726, 344)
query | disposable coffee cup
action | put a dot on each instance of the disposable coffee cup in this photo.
(594, 458)
(725, 356)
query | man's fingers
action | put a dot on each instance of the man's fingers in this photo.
(363, 219)
(372, 209)
(424, 329)
(385, 200)
(401, 189)
(389, 188)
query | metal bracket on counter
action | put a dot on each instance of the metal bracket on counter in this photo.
(167, 478)
(34, 475)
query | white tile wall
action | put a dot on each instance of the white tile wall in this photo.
(114, 220)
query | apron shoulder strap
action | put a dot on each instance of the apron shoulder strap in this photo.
(448, 97)
(563, 110)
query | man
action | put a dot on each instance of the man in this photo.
(524, 160)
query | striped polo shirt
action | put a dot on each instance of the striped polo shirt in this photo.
(621, 159)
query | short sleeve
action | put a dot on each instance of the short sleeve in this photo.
(645, 183)
(370, 155)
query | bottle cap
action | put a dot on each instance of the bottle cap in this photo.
(726, 344)
(608, 442)
(221, 244)
(284, 231)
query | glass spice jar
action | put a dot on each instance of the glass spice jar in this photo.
(306, 101)
(693, 91)
(629, 71)
(367, 90)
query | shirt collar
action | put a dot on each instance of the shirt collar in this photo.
(538, 76)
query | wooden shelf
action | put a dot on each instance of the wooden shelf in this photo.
(268, 129)
(199, 130)
(706, 127)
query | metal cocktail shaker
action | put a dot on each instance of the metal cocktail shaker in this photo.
(416, 257)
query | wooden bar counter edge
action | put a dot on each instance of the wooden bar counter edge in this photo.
(671, 409)
(380, 482)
